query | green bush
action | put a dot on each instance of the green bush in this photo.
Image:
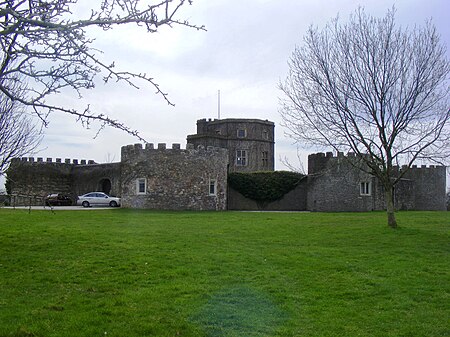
(264, 186)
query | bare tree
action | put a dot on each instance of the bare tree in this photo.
(51, 50)
(373, 88)
(19, 133)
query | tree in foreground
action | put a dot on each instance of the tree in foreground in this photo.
(19, 133)
(372, 88)
(47, 47)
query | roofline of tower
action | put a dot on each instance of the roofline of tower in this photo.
(236, 120)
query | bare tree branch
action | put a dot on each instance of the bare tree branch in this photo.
(49, 48)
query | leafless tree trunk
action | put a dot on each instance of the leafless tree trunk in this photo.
(372, 88)
(389, 195)
(50, 49)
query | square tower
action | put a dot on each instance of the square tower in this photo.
(250, 142)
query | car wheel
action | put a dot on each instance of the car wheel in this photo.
(85, 204)
(113, 204)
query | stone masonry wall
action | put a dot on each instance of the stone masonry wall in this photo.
(89, 178)
(176, 179)
(38, 178)
(429, 185)
(334, 185)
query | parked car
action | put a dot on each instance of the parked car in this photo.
(97, 198)
(58, 199)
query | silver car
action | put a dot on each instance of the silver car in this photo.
(97, 198)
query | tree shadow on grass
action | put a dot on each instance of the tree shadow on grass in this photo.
(239, 311)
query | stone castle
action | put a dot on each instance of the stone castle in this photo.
(195, 178)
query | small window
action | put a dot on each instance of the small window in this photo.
(265, 135)
(212, 187)
(241, 158)
(141, 186)
(265, 158)
(365, 188)
(241, 133)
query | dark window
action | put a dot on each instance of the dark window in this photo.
(212, 187)
(365, 188)
(141, 186)
(241, 133)
(241, 157)
(265, 158)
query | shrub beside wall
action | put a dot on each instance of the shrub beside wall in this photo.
(265, 187)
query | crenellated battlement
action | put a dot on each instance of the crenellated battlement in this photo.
(149, 148)
(56, 161)
(330, 155)
(421, 167)
(319, 161)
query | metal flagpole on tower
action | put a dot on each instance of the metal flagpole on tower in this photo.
(218, 104)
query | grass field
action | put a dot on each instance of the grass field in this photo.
(142, 273)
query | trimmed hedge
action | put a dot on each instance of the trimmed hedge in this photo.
(264, 186)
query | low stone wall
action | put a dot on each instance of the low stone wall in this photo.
(14, 200)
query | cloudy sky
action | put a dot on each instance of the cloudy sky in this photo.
(243, 54)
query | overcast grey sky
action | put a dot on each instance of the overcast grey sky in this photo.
(243, 54)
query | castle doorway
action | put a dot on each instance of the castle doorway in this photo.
(105, 186)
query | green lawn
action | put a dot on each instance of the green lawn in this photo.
(143, 273)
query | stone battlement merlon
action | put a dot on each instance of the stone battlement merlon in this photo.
(56, 161)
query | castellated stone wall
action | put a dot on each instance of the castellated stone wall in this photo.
(427, 186)
(334, 184)
(175, 179)
(37, 177)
